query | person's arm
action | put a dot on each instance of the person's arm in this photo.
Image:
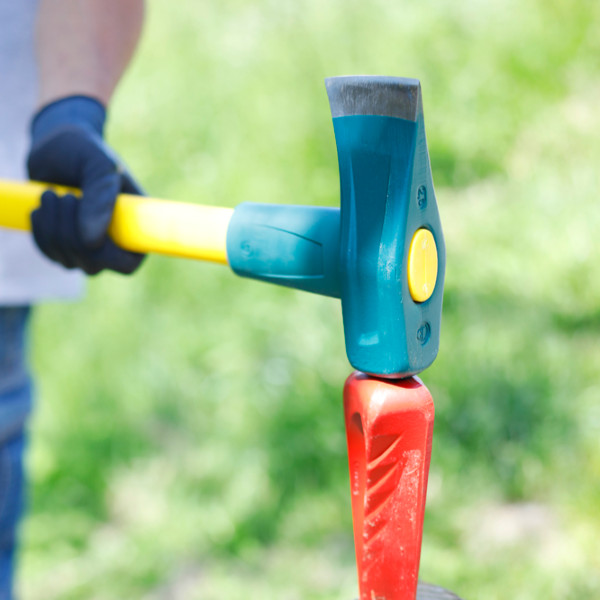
(84, 46)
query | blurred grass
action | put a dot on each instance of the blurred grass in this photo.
(189, 441)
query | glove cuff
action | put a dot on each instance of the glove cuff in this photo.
(84, 111)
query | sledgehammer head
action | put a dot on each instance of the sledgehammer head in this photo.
(392, 257)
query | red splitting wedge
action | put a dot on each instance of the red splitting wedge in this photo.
(389, 426)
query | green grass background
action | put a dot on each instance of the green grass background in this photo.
(189, 442)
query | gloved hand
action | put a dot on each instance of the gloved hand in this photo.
(67, 148)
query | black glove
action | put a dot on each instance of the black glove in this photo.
(67, 148)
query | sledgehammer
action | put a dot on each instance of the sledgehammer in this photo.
(382, 252)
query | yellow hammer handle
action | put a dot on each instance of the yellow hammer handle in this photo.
(139, 224)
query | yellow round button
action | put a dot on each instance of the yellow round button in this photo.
(422, 265)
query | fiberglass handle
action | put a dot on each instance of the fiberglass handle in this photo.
(139, 224)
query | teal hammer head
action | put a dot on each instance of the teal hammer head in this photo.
(392, 253)
(383, 252)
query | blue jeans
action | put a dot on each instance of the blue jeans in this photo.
(15, 406)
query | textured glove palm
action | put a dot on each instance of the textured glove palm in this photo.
(68, 149)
